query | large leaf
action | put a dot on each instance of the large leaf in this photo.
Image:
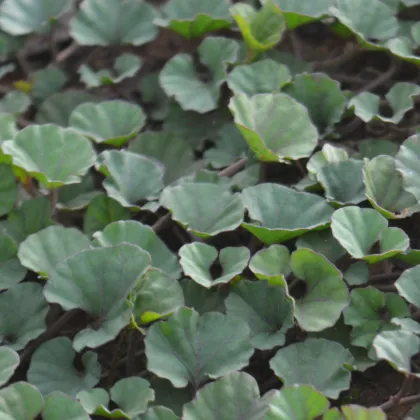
(22, 314)
(98, 281)
(408, 286)
(276, 126)
(9, 361)
(279, 213)
(189, 348)
(268, 311)
(21, 17)
(58, 405)
(205, 209)
(41, 251)
(193, 18)
(199, 261)
(108, 22)
(51, 368)
(131, 178)
(234, 397)
(318, 362)
(359, 229)
(53, 155)
(326, 293)
(134, 232)
(111, 122)
(193, 90)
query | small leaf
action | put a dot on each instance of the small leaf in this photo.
(47, 81)
(326, 293)
(328, 154)
(112, 122)
(408, 287)
(8, 189)
(276, 126)
(109, 22)
(205, 209)
(189, 348)
(9, 361)
(154, 96)
(316, 361)
(370, 148)
(58, 405)
(357, 274)
(199, 261)
(279, 213)
(15, 102)
(159, 413)
(52, 155)
(51, 368)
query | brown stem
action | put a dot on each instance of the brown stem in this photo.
(350, 52)
(396, 399)
(54, 200)
(63, 55)
(378, 278)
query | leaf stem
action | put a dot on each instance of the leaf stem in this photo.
(397, 399)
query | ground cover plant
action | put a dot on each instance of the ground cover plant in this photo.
(209, 210)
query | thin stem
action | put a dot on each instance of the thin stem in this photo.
(54, 200)
(63, 55)
(378, 278)
(384, 77)
(396, 399)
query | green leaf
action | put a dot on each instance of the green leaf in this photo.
(20, 401)
(15, 102)
(20, 17)
(370, 148)
(154, 96)
(8, 127)
(370, 312)
(102, 211)
(130, 178)
(407, 285)
(199, 261)
(205, 209)
(189, 348)
(87, 280)
(109, 22)
(318, 362)
(41, 251)
(276, 126)
(159, 413)
(8, 189)
(59, 405)
(136, 233)
(328, 154)
(279, 213)
(52, 155)
(125, 65)
(356, 412)
(112, 122)
(9, 361)
(233, 397)
(322, 97)
(261, 29)
(170, 149)
(264, 76)
(357, 274)
(57, 108)
(397, 348)
(267, 309)
(95, 401)
(47, 81)
(51, 368)
(271, 264)
(299, 402)
(195, 90)
(359, 229)
(155, 295)
(326, 293)
(400, 98)
(343, 181)
(23, 310)
(385, 190)
(194, 18)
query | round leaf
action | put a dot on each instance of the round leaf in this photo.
(111, 122)
(41, 251)
(53, 155)
(199, 261)
(408, 286)
(206, 209)
(190, 349)
(108, 22)
(279, 213)
(317, 362)
(59, 405)
(51, 368)
(9, 361)
(275, 126)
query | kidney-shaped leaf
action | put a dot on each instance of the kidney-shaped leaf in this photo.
(9, 361)
(107, 22)
(279, 213)
(98, 281)
(53, 155)
(326, 292)
(41, 251)
(275, 125)
(267, 310)
(111, 122)
(51, 368)
(209, 268)
(317, 362)
(206, 209)
(189, 348)
(233, 397)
